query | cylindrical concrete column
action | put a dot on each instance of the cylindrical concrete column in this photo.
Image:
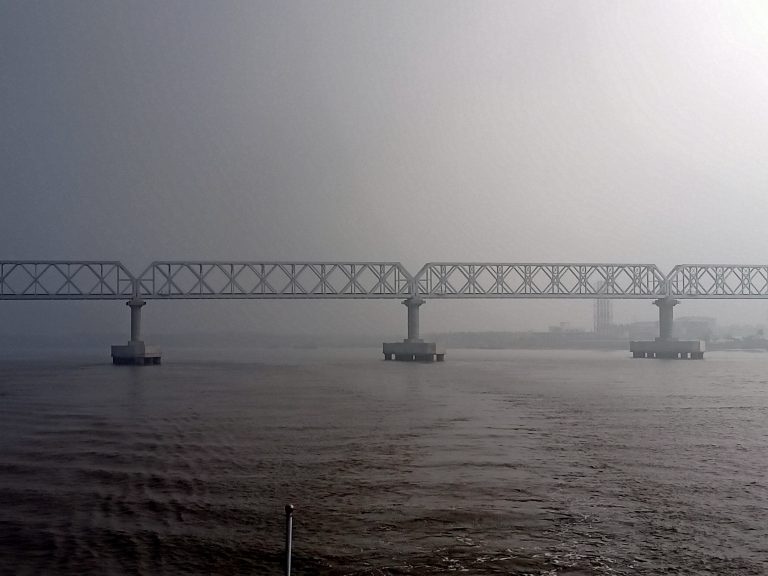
(136, 305)
(413, 305)
(666, 316)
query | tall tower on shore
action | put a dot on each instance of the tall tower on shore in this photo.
(603, 315)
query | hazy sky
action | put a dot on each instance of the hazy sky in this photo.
(414, 131)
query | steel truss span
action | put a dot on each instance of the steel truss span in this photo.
(104, 280)
(284, 280)
(507, 280)
(64, 280)
(718, 281)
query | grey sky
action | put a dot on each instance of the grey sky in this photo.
(410, 131)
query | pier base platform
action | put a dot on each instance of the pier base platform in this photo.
(689, 349)
(135, 353)
(406, 351)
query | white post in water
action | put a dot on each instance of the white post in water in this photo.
(288, 537)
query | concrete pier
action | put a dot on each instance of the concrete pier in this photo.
(414, 351)
(666, 316)
(685, 349)
(665, 346)
(413, 348)
(135, 352)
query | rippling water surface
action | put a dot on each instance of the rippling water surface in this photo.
(495, 462)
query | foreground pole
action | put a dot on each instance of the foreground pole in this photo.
(288, 537)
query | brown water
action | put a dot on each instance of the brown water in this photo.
(503, 462)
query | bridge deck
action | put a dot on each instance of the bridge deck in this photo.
(100, 280)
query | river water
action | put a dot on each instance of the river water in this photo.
(494, 462)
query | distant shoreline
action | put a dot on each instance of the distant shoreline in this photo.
(566, 340)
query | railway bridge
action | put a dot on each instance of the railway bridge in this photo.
(173, 280)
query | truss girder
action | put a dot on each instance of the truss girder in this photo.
(718, 281)
(538, 280)
(284, 280)
(103, 280)
(64, 280)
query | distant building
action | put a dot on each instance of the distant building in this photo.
(685, 328)
(695, 328)
(603, 316)
(643, 330)
(564, 328)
